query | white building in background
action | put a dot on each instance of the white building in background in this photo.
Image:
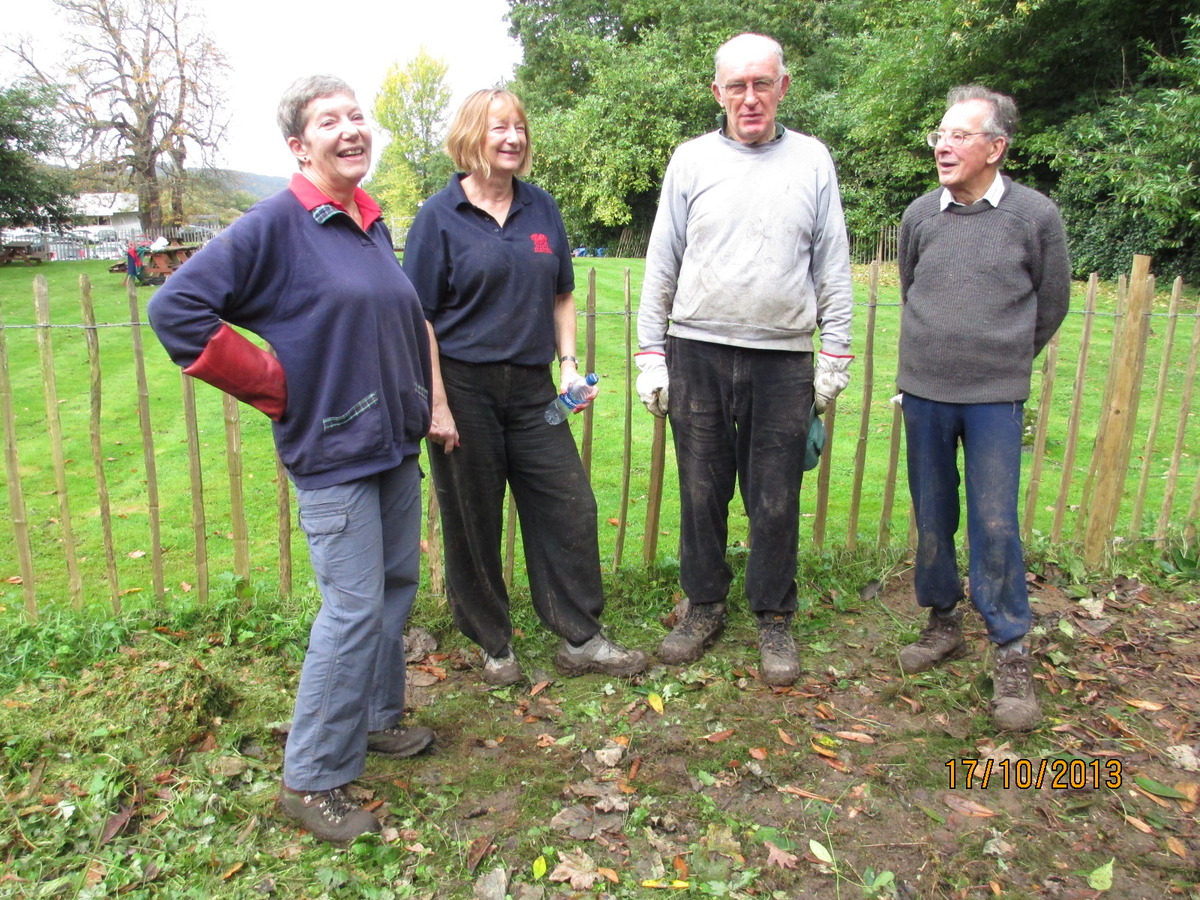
(118, 211)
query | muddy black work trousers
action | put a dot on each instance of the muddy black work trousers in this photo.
(499, 410)
(739, 416)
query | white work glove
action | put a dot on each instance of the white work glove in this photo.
(833, 374)
(652, 383)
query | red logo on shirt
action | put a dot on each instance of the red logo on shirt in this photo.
(541, 243)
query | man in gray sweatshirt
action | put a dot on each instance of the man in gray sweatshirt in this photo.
(748, 257)
(985, 282)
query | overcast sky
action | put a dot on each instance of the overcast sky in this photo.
(270, 43)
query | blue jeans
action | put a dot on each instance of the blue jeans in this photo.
(364, 541)
(990, 434)
(499, 410)
(739, 415)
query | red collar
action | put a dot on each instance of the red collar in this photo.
(312, 197)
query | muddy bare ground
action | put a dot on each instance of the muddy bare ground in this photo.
(856, 782)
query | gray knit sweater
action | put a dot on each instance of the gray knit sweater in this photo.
(983, 289)
(749, 248)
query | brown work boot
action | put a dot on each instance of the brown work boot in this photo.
(780, 665)
(696, 630)
(1014, 704)
(398, 742)
(329, 815)
(503, 670)
(941, 640)
(599, 654)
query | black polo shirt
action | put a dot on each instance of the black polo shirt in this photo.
(487, 289)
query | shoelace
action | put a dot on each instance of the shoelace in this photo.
(1010, 674)
(334, 805)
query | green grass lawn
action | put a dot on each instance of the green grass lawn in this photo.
(125, 471)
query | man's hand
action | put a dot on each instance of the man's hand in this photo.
(652, 382)
(568, 382)
(833, 374)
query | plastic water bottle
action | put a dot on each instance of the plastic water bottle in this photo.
(565, 403)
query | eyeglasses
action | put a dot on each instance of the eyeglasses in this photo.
(953, 138)
(761, 86)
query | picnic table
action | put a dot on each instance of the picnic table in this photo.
(26, 253)
(168, 259)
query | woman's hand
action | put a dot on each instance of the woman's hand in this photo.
(442, 429)
(568, 379)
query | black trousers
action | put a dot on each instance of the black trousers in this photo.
(739, 415)
(498, 409)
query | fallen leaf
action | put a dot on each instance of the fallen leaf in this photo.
(818, 747)
(855, 736)
(1157, 788)
(656, 703)
(478, 850)
(1139, 824)
(679, 864)
(967, 807)
(820, 852)
(786, 738)
(1175, 845)
(717, 736)
(1148, 705)
(137, 554)
(545, 740)
(779, 857)
(1101, 879)
(609, 874)
(231, 871)
(539, 868)
(759, 753)
(577, 868)
(801, 792)
(538, 688)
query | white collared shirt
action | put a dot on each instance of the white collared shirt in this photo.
(992, 196)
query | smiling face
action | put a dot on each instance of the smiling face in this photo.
(506, 143)
(335, 148)
(969, 170)
(750, 117)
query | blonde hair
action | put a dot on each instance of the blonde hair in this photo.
(468, 131)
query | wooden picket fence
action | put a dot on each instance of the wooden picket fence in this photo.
(77, 547)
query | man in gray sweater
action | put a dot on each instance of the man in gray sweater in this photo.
(985, 282)
(748, 257)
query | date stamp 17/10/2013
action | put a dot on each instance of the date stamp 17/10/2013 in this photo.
(1057, 774)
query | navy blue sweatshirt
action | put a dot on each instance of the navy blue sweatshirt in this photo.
(341, 316)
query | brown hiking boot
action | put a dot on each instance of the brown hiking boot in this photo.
(599, 654)
(328, 815)
(941, 640)
(501, 671)
(1014, 704)
(398, 742)
(780, 665)
(698, 628)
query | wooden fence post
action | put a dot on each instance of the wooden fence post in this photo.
(1068, 466)
(95, 395)
(143, 389)
(1164, 368)
(864, 419)
(16, 493)
(41, 299)
(1185, 409)
(1115, 438)
(658, 454)
(627, 435)
(237, 495)
(196, 482)
(1049, 365)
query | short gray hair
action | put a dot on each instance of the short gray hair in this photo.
(769, 44)
(303, 91)
(1001, 120)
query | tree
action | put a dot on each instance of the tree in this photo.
(142, 89)
(411, 106)
(30, 191)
